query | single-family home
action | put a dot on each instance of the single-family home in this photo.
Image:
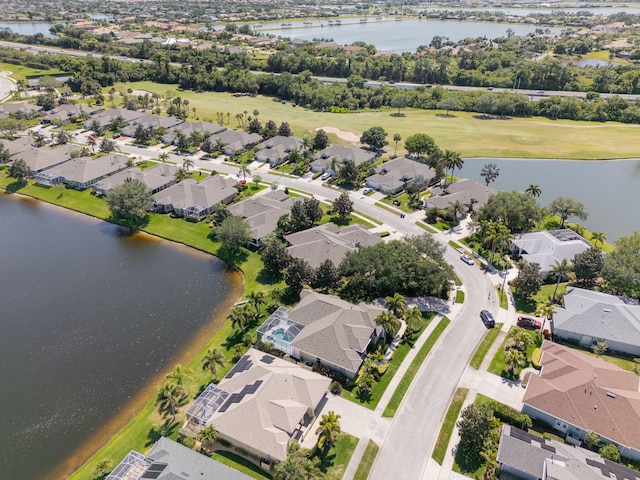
(262, 212)
(21, 109)
(575, 393)
(187, 129)
(393, 176)
(588, 317)
(194, 200)
(152, 122)
(18, 145)
(235, 141)
(83, 172)
(324, 329)
(548, 247)
(43, 158)
(260, 405)
(276, 149)
(524, 456)
(106, 117)
(169, 460)
(324, 160)
(469, 192)
(67, 112)
(328, 242)
(156, 178)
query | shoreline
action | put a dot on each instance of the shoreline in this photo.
(185, 354)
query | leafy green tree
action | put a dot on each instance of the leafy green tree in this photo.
(212, 360)
(375, 137)
(325, 276)
(474, 426)
(349, 173)
(107, 145)
(342, 206)
(169, 397)
(270, 129)
(328, 430)
(179, 374)
(420, 144)
(130, 203)
(400, 101)
(486, 104)
(297, 274)
(102, 468)
(567, 207)
(529, 280)
(599, 348)
(365, 381)
(62, 138)
(610, 452)
(520, 338)
(19, 170)
(621, 270)
(255, 126)
(593, 439)
(234, 232)
(388, 322)
(397, 305)
(518, 211)
(450, 103)
(275, 256)
(490, 172)
(514, 359)
(305, 213)
(284, 130)
(297, 466)
(533, 190)
(320, 140)
(587, 267)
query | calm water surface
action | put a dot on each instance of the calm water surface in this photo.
(609, 190)
(88, 319)
(30, 28)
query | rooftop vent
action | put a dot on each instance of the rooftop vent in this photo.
(608, 310)
(612, 395)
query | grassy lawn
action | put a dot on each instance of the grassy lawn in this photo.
(440, 449)
(334, 463)
(498, 365)
(534, 137)
(388, 208)
(504, 300)
(238, 463)
(378, 389)
(459, 296)
(543, 296)
(485, 345)
(426, 227)
(412, 371)
(21, 72)
(367, 461)
(401, 202)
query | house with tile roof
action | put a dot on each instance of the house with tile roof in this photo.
(169, 460)
(234, 141)
(39, 159)
(20, 109)
(262, 213)
(105, 117)
(548, 247)
(193, 199)
(156, 178)
(188, 128)
(324, 329)
(328, 242)
(275, 150)
(394, 175)
(83, 172)
(470, 193)
(152, 122)
(260, 405)
(323, 160)
(66, 113)
(575, 393)
(588, 317)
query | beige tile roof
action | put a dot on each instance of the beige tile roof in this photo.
(207, 193)
(38, 159)
(86, 169)
(262, 212)
(587, 392)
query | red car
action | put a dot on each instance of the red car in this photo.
(526, 322)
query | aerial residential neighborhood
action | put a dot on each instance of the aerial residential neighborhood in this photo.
(286, 241)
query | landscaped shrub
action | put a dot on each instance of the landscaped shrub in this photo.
(270, 349)
(327, 372)
(511, 416)
(335, 388)
(535, 358)
(188, 442)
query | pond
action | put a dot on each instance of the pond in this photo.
(609, 190)
(91, 321)
(30, 28)
(397, 36)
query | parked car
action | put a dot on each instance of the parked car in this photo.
(487, 319)
(527, 322)
(466, 259)
(490, 89)
(367, 191)
(326, 176)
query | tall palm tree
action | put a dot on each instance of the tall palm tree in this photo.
(240, 119)
(163, 157)
(397, 305)
(387, 321)
(533, 190)
(456, 209)
(560, 269)
(514, 359)
(256, 300)
(328, 430)
(545, 311)
(598, 238)
(187, 164)
(244, 170)
(208, 435)
(169, 397)
(180, 374)
(452, 160)
(504, 237)
(212, 360)
(102, 468)
(239, 317)
(413, 318)
(396, 139)
(92, 143)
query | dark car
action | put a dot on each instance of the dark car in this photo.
(487, 319)
(527, 322)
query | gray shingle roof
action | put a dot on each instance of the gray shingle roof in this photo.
(395, 173)
(155, 177)
(66, 111)
(206, 194)
(263, 211)
(547, 247)
(82, 170)
(38, 159)
(358, 155)
(464, 190)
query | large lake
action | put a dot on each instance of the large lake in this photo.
(30, 28)
(90, 320)
(610, 190)
(397, 36)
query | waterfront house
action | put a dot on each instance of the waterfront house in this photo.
(18, 145)
(83, 172)
(277, 149)
(323, 160)
(393, 176)
(470, 193)
(43, 158)
(156, 178)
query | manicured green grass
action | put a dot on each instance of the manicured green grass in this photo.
(442, 226)
(489, 337)
(534, 137)
(426, 227)
(459, 296)
(440, 449)
(504, 300)
(238, 463)
(457, 280)
(362, 473)
(412, 371)
(378, 389)
(401, 203)
(388, 208)
(368, 217)
(21, 72)
(455, 244)
(499, 367)
(543, 296)
(334, 463)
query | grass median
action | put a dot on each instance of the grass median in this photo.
(440, 449)
(481, 352)
(362, 473)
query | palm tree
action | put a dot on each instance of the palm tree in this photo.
(334, 164)
(163, 157)
(456, 208)
(328, 430)
(180, 374)
(560, 269)
(92, 143)
(396, 139)
(514, 359)
(533, 190)
(212, 360)
(452, 160)
(208, 434)
(365, 381)
(413, 317)
(240, 119)
(387, 321)
(239, 317)
(102, 468)
(521, 339)
(397, 305)
(598, 238)
(187, 163)
(244, 170)
(169, 397)
(256, 113)
(257, 300)
(545, 311)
